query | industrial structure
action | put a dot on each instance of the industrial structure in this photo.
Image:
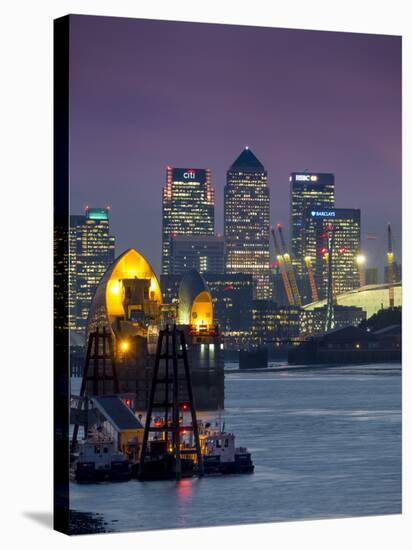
(129, 308)
(246, 221)
(205, 347)
(165, 456)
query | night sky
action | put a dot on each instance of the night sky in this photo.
(145, 94)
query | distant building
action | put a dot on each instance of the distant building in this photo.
(273, 325)
(201, 252)
(188, 207)
(170, 284)
(246, 221)
(371, 276)
(61, 277)
(91, 251)
(346, 224)
(307, 189)
(349, 345)
(312, 322)
(371, 299)
(232, 300)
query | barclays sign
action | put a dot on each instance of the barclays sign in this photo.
(323, 213)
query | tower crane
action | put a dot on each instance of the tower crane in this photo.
(282, 269)
(313, 288)
(289, 268)
(391, 275)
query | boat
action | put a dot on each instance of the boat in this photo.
(221, 456)
(98, 459)
(160, 464)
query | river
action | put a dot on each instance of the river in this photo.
(326, 443)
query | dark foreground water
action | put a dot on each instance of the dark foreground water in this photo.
(325, 443)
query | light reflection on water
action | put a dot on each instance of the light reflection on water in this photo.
(325, 444)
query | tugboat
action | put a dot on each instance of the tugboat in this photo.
(160, 464)
(98, 460)
(222, 457)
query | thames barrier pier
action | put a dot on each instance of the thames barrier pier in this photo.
(129, 309)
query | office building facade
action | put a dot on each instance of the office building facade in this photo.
(273, 325)
(345, 223)
(205, 253)
(314, 190)
(232, 297)
(246, 222)
(91, 249)
(188, 207)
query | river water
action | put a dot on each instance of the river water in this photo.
(326, 443)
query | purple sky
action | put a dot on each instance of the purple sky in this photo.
(145, 94)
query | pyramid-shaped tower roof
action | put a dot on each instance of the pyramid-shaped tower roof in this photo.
(247, 161)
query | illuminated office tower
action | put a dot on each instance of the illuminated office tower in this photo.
(75, 231)
(188, 207)
(345, 224)
(91, 252)
(306, 190)
(246, 222)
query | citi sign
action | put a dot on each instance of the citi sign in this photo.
(306, 177)
(323, 213)
(189, 175)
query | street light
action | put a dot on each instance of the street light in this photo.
(360, 259)
(124, 345)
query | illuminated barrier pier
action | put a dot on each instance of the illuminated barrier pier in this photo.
(127, 305)
(205, 345)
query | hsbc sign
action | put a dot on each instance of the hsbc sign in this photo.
(306, 177)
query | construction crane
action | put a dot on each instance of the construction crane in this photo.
(313, 289)
(282, 269)
(391, 274)
(331, 291)
(289, 268)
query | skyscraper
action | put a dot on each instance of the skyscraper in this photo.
(345, 223)
(201, 252)
(315, 190)
(246, 221)
(188, 207)
(91, 252)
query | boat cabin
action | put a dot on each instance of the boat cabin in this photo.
(222, 445)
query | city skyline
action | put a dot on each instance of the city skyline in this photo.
(326, 109)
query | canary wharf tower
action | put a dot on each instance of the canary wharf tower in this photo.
(246, 221)
(188, 207)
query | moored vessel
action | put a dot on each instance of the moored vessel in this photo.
(97, 459)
